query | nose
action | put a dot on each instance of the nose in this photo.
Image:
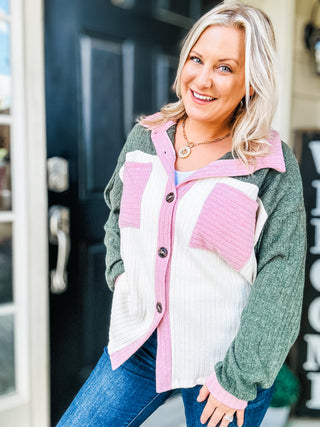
(205, 78)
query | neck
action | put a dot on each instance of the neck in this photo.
(197, 130)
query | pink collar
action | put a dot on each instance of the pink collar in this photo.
(220, 167)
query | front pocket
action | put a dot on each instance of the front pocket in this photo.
(226, 225)
(135, 178)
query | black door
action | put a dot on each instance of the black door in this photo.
(107, 61)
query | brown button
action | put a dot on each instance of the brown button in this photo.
(170, 197)
(159, 307)
(162, 252)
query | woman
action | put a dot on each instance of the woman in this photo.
(205, 241)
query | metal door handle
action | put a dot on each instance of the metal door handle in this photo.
(59, 218)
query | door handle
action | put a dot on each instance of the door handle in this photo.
(59, 220)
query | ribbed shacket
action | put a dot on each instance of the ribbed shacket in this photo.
(215, 264)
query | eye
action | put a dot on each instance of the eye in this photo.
(225, 68)
(195, 59)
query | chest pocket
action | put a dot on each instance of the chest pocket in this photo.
(135, 178)
(226, 225)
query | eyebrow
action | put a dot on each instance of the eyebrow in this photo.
(220, 60)
(228, 59)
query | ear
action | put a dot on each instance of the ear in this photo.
(251, 90)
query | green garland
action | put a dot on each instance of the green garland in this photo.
(287, 388)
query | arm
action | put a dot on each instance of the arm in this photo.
(139, 138)
(112, 196)
(114, 263)
(270, 321)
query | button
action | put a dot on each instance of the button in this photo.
(170, 197)
(159, 307)
(162, 252)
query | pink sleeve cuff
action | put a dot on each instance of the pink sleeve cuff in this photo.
(223, 395)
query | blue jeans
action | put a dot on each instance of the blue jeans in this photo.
(127, 396)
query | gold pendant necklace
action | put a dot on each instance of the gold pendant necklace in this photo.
(185, 151)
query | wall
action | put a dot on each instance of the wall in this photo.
(281, 13)
(306, 84)
(299, 105)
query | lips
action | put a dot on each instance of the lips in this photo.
(201, 97)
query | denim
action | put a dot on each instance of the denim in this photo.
(127, 396)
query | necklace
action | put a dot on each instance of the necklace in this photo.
(185, 151)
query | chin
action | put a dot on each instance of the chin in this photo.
(199, 115)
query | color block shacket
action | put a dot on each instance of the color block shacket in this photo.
(215, 264)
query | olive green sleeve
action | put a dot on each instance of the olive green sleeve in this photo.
(271, 319)
(113, 192)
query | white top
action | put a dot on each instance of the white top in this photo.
(182, 175)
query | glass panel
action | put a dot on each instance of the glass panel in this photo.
(5, 68)
(5, 6)
(190, 8)
(7, 374)
(5, 263)
(5, 173)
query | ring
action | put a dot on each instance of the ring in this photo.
(228, 418)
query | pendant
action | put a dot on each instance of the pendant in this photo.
(184, 152)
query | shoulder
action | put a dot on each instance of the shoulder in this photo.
(290, 159)
(138, 134)
(291, 178)
(282, 192)
(139, 138)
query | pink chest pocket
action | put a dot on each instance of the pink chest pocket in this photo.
(226, 225)
(135, 178)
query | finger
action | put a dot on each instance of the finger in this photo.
(240, 417)
(226, 420)
(216, 417)
(203, 394)
(207, 412)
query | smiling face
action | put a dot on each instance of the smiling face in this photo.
(212, 80)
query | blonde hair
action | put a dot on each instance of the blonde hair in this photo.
(251, 121)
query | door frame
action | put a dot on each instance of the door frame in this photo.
(37, 226)
(29, 404)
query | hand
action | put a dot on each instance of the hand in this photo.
(217, 410)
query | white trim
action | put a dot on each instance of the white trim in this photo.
(19, 306)
(283, 16)
(19, 206)
(7, 216)
(12, 400)
(29, 405)
(17, 217)
(6, 18)
(7, 309)
(5, 119)
(37, 244)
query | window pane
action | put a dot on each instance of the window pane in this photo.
(7, 375)
(5, 68)
(5, 6)
(5, 173)
(5, 263)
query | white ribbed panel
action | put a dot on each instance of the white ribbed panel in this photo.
(262, 217)
(134, 302)
(249, 271)
(207, 295)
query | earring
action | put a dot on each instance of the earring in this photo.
(242, 104)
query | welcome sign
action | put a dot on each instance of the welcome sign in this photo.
(307, 349)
